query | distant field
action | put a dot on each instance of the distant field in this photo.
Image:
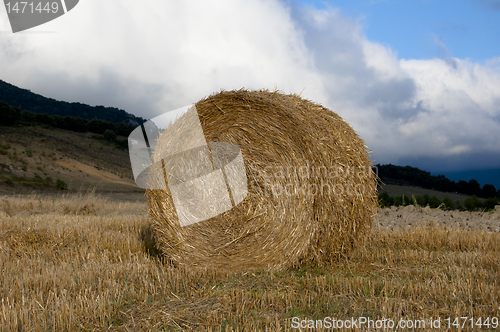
(81, 263)
(395, 191)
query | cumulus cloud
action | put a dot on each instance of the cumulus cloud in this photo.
(463, 101)
(160, 55)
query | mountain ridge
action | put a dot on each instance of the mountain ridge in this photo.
(24, 99)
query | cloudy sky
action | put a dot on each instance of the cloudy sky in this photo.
(419, 80)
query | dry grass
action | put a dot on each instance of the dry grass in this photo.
(81, 263)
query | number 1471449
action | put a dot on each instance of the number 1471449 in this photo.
(462, 322)
(31, 7)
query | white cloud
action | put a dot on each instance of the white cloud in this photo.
(160, 55)
(190, 49)
(462, 101)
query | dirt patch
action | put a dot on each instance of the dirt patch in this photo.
(94, 172)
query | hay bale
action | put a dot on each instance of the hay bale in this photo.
(311, 192)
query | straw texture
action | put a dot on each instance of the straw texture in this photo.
(311, 192)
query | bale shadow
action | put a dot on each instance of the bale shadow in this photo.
(150, 243)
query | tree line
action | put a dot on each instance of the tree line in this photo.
(416, 177)
(13, 116)
(469, 204)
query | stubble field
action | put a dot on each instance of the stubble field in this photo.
(82, 262)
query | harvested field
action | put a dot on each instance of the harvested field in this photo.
(84, 263)
(403, 218)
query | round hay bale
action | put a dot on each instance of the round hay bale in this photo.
(311, 191)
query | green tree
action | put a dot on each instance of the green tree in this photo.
(474, 187)
(100, 126)
(462, 187)
(74, 124)
(421, 201)
(9, 116)
(472, 203)
(109, 135)
(45, 119)
(490, 203)
(448, 203)
(434, 202)
(61, 185)
(402, 201)
(385, 200)
(488, 190)
(27, 117)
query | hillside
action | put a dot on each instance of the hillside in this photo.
(26, 100)
(394, 190)
(33, 158)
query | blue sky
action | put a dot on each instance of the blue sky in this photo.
(425, 29)
(418, 80)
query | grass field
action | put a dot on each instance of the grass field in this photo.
(85, 263)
